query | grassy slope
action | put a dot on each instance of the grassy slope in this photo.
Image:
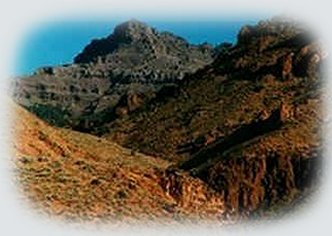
(80, 176)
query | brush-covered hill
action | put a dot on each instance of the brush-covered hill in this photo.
(111, 77)
(78, 176)
(248, 124)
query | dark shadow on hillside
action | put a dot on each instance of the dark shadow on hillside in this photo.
(243, 134)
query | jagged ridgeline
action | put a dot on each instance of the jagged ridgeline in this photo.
(242, 120)
(111, 77)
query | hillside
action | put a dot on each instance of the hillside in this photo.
(248, 125)
(111, 77)
(76, 176)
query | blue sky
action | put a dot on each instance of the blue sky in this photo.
(57, 43)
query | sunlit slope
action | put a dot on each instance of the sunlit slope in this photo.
(79, 176)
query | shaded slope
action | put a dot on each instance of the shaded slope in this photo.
(278, 167)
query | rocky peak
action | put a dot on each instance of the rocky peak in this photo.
(132, 30)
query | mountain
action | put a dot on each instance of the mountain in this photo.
(240, 134)
(111, 77)
(249, 124)
(78, 176)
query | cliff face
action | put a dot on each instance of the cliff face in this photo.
(111, 77)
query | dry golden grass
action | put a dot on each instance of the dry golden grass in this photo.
(78, 176)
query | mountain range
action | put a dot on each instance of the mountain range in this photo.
(143, 118)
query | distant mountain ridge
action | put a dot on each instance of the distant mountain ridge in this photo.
(132, 32)
(111, 76)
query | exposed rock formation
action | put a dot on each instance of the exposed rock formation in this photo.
(287, 66)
